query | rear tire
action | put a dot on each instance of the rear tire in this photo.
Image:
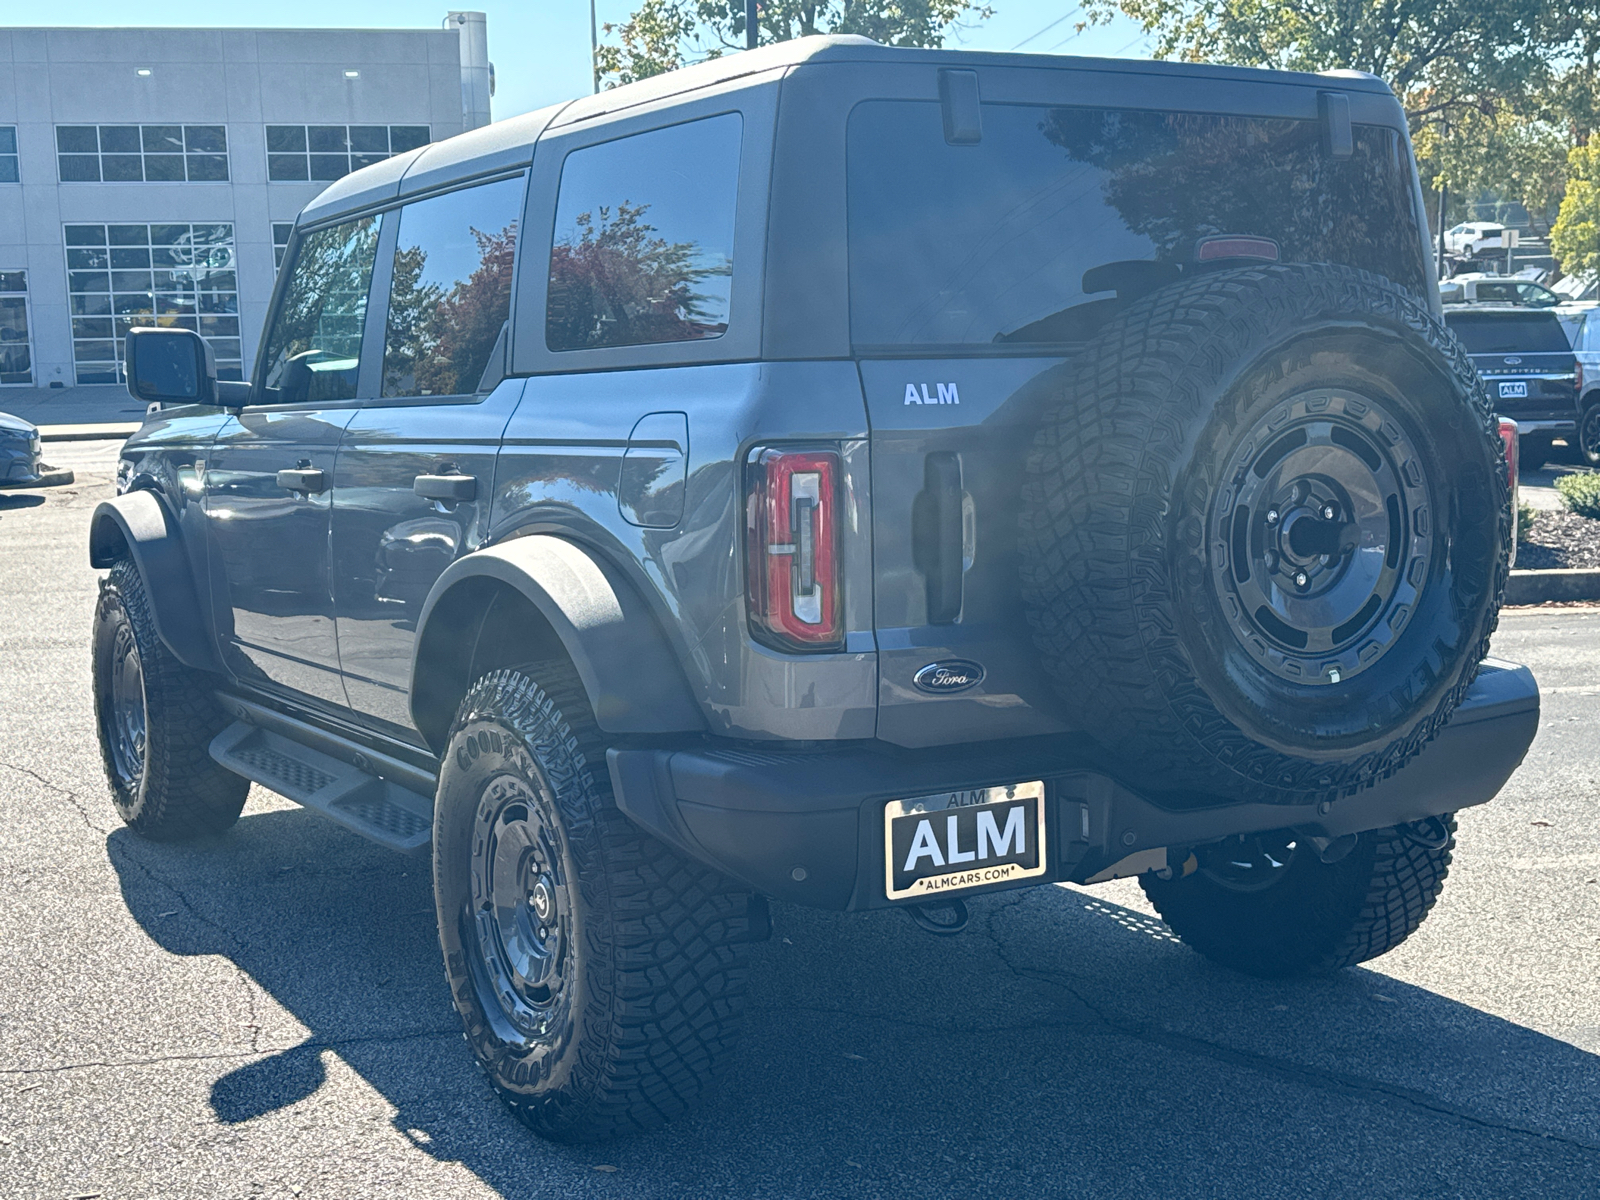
(1307, 917)
(156, 718)
(1588, 440)
(600, 977)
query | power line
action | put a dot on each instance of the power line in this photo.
(1047, 28)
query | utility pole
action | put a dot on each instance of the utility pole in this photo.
(752, 31)
(594, 48)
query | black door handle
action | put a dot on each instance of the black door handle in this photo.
(450, 488)
(303, 479)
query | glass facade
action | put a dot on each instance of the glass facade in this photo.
(297, 153)
(121, 277)
(16, 356)
(8, 155)
(280, 241)
(142, 153)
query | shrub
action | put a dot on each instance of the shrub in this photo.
(1526, 516)
(1580, 493)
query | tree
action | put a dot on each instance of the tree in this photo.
(1496, 90)
(1575, 238)
(666, 34)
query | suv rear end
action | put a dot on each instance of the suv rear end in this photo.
(1527, 362)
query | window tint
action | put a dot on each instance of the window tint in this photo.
(643, 247)
(1057, 216)
(314, 349)
(451, 292)
(1509, 332)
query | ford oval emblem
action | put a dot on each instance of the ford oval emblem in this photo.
(952, 675)
(1513, 360)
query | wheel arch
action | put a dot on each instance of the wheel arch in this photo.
(140, 527)
(538, 597)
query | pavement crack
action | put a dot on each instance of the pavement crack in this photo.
(334, 1044)
(72, 797)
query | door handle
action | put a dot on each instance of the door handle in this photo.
(303, 479)
(448, 488)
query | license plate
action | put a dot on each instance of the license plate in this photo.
(1513, 391)
(954, 841)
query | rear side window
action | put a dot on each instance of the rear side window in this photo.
(643, 247)
(999, 241)
(1510, 332)
(451, 290)
(313, 352)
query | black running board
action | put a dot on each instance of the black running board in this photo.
(378, 809)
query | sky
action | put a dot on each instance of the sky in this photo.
(540, 50)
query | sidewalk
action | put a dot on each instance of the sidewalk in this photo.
(96, 404)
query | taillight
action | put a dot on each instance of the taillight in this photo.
(1508, 435)
(791, 541)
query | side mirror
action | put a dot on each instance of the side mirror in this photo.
(169, 366)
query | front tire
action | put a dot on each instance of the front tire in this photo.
(156, 718)
(600, 977)
(1269, 906)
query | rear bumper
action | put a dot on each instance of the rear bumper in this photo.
(1554, 425)
(806, 826)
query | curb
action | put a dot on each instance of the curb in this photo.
(86, 433)
(1563, 583)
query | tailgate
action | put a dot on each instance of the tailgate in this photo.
(949, 440)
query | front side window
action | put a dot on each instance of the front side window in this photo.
(313, 353)
(297, 153)
(8, 155)
(643, 248)
(451, 289)
(142, 153)
(1056, 216)
(176, 275)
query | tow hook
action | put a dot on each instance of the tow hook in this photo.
(1431, 833)
(923, 916)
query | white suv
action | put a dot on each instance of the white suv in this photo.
(1473, 238)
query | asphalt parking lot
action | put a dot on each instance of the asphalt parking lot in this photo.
(265, 1014)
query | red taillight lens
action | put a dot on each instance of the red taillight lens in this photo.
(1508, 435)
(791, 539)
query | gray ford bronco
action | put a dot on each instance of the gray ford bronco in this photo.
(861, 477)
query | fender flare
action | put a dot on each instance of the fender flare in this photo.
(140, 525)
(634, 682)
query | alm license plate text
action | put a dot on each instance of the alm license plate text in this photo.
(1513, 391)
(954, 841)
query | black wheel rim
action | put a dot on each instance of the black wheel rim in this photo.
(1320, 536)
(520, 921)
(1589, 434)
(1249, 863)
(126, 717)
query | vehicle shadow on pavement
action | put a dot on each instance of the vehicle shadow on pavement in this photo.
(1062, 1045)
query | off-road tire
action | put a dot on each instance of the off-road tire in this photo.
(653, 948)
(1320, 917)
(1125, 577)
(170, 788)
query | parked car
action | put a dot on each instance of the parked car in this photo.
(1474, 237)
(21, 457)
(853, 476)
(1577, 288)
(1478, 288)
(1584, 331)
(1526, 359)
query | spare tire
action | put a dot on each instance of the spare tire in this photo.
(1265, 534)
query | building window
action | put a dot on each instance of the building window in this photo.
(297, 153)
(280, 241)
(122, 277)
(16, 357)
(142, 153)
(8, 155)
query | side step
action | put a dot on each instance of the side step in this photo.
(375, 808)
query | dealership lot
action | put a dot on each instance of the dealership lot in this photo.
(265, 1014)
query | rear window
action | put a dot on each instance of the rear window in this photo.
(991, 242)
(1509, 333)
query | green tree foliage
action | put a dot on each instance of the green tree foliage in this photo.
(1575, 238)
(663, 35)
